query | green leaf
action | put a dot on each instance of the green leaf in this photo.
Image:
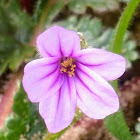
(116, 124)
(40, 6)
(14, 36)
(46, 11)
(13, 54)
(11, 123)
(25, 120)
(3, 66)
(55, 9)
(20, 55)
(11, 135)
(2, 135)
(79, 6)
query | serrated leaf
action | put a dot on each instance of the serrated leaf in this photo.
(25, 119)
(12, 122)
(14, 36)
(79, 6)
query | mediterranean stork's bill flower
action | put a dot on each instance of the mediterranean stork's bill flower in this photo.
(66, 76)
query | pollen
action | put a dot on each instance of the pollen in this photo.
(68, 66)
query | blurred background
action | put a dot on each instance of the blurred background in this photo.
(21, 21)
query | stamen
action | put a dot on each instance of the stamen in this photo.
(68, 66)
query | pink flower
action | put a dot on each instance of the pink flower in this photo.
(67, 76)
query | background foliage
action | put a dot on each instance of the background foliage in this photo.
(17, 28)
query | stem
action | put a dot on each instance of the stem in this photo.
(116, 44)
(116, 123)
(7, 99)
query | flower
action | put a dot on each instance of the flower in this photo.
(67, 76)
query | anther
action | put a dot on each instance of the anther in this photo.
(68, 66)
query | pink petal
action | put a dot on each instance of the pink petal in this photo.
(41, 78)
(96, 98)
(58, 41)
(58, 110)
(108, 65)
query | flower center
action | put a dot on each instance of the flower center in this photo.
(67, 66)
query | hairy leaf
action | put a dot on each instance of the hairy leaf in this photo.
(16, 29)
(25, 121)
(79, 6)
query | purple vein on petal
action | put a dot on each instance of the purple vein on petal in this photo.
(68, 84)
(48, 53)
(47, 74)
(59, 95)
(94, 64)
(32, 68)
(86, 85)
(90, 64)
(56, 68)
(80, 97)
(58, 101)
(73, 48)
(57, 78)
(50, 63)
(44, 49)
(69, 88)
(60, 45)
(85, 73)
